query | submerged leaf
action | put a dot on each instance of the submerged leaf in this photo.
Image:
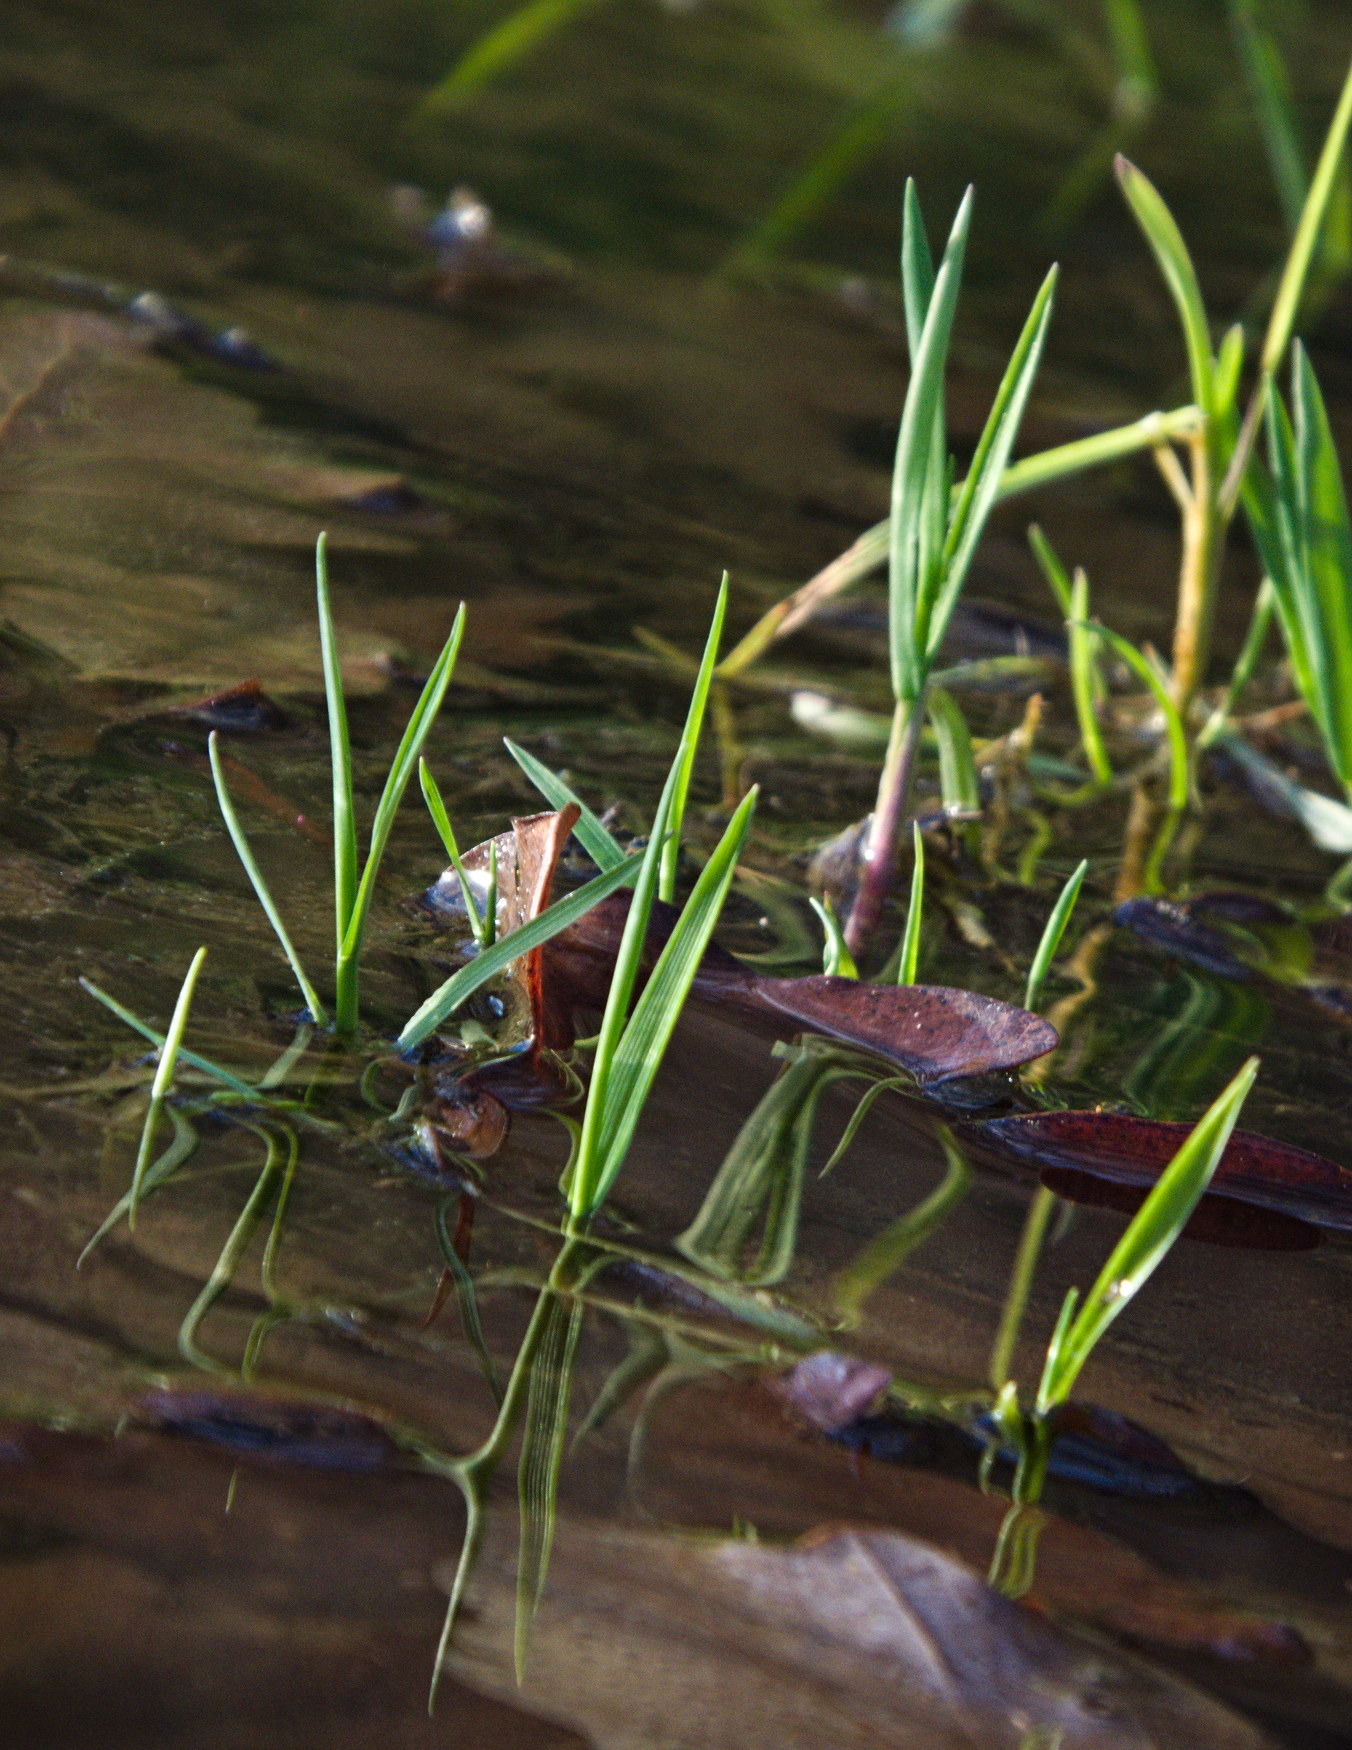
(849, 1636)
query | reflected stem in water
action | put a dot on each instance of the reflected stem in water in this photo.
(472, 1475)
(1035, 1225)
(886, 1254)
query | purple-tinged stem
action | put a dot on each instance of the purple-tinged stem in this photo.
(880, 852)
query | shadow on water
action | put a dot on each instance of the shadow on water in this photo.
(762, 1464)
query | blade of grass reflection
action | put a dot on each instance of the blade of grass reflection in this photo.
(648, 1355)
(181, 1148)
(260, 1095)
(760, 1181)
(468, 1301)
(277, 1166)
(542, 1443)
(885, 1254)
(261, 890)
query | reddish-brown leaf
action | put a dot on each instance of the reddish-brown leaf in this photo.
(1134, 1151)
(933, 1033)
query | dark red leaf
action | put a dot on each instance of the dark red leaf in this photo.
(1134, 1151)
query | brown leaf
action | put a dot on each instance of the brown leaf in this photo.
(850, 1637)
(934, 1033)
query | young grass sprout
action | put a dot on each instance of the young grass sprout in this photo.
(933, 531)
(1143, 1247)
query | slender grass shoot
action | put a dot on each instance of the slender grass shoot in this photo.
(837, 961)
(1052, 933)
(164, 1080)
(436, 807)
(596, 840)
(261, 890)
(1147, 1241)
(932, 531)
(909, 963)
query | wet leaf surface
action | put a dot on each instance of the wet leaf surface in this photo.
(1134, 1151)
(849, 1636)
(935, 1034)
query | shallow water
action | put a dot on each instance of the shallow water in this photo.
(189, 1558)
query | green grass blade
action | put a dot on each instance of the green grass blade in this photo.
(498, 49)
(1052, 568)
(959, 785)
(684, 768)
(259, 885)
(436, 807)
(1149, 1237)
(1305, 243)
(340, 754)
(1064, 460)
(981, 487)
(1270, 90)
(447, 998)
(1085, 681)
(637, 1053)
(837, 961)
(591, 1153)
(1171, 255)
(922, 415)
(544, 1434)
(870, 550)
(137, 1025)
(865, 126)
(1173, 723)
(1035, 1225)
(1229, 369)
(909, 962)
(401, 770)
(1052, 933)
(596, 840)
(1328, 545)
(1260, 624)
(164, 1080)
(917, 267)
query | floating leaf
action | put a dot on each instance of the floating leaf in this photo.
(934, 1033)
(1134, 1151)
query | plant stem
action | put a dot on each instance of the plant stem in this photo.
(1203, 548)
(880, 853)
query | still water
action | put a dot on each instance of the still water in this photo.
(225, 327)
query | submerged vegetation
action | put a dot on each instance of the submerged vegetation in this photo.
(503, 976)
